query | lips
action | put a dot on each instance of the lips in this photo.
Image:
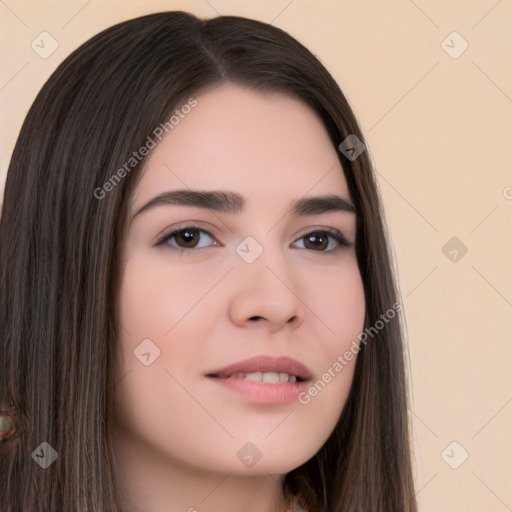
(265, 369)
(263, 380)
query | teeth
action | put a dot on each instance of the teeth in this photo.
(267, 377)
(271, 377)
(256, 376)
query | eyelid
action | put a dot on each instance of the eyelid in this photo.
(180, 227)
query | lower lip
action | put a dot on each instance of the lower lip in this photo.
(263, 393)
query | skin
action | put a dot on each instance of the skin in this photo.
(177, 432)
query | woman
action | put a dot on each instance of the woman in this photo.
(198, 309)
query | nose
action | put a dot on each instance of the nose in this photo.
(266, 294)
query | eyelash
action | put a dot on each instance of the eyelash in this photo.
(343, 243)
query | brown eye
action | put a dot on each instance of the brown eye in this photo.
(189, 237)
(185, 238)
(320, 240)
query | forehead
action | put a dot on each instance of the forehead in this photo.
(267, 145)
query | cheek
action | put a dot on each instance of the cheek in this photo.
(337, 300)
(153, 299)
(341, 306)
(344, 308)
(161, 299)
(159, 342)
(162, 314)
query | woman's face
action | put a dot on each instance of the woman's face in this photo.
(263, 294)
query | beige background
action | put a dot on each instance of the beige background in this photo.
(440, 132)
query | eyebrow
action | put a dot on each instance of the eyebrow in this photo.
(224, 201)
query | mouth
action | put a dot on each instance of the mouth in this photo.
(271, 370)
(265, 380)
(266, 377)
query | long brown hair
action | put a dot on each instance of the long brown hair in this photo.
(60, 249)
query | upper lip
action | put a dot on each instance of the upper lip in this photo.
(265, 364)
